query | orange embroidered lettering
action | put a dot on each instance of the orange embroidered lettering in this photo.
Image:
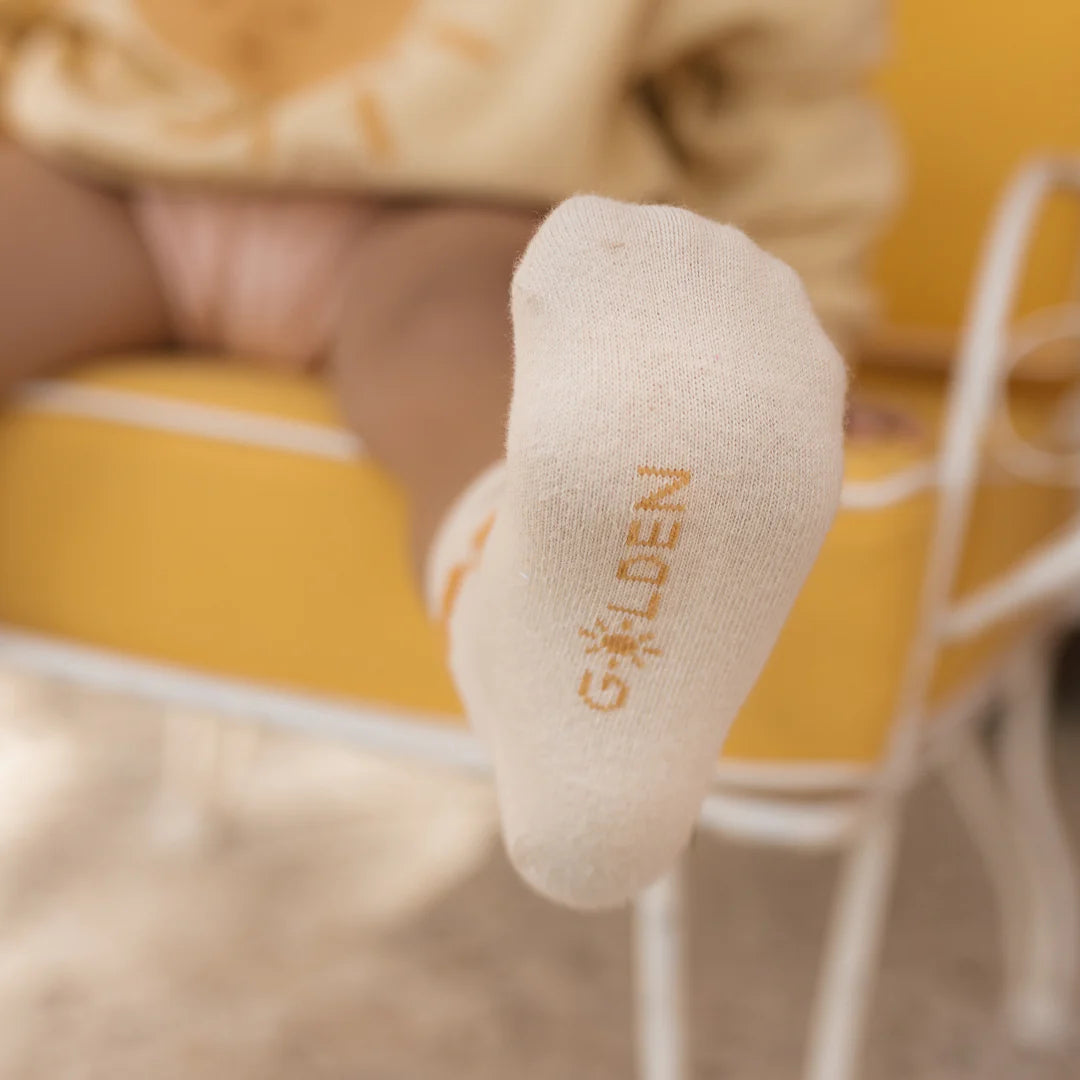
(622, 647)
(649, 612)
(681, 477)
(606, 684)
(657, 579)
(633, 537)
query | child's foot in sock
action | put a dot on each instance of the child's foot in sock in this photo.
(674, 458)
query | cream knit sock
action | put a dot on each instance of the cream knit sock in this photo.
(673, 462)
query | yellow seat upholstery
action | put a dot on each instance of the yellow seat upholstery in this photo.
(830, 688)
(971, 101)
(209, 516)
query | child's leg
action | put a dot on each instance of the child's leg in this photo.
(423, 361)
(672, 462)
(75, 280)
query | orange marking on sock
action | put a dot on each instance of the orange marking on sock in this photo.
(455, 579)
(466, 43)
(619, 645)
(481, 535)
(633, 537)
(652, 501)
(607, 682)
(629, 570)
(647, 612)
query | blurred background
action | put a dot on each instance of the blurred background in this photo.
(971, 100)
(348, 917)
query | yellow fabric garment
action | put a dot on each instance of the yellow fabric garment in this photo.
(747, 110)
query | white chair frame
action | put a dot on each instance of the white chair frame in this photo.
(1007, 804)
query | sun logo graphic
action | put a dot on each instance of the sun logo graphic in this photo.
(268, 51)
(619, 645)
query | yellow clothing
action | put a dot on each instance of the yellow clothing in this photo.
(746, 110)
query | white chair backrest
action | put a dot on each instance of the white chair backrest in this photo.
(985, 356)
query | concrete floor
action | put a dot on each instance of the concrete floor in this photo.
(355, 920)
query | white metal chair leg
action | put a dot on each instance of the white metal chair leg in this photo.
(852, 949)
(1040, 1002)
(981, 801)
(660, 980)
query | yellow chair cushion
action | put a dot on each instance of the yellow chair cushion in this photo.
(210, 516)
